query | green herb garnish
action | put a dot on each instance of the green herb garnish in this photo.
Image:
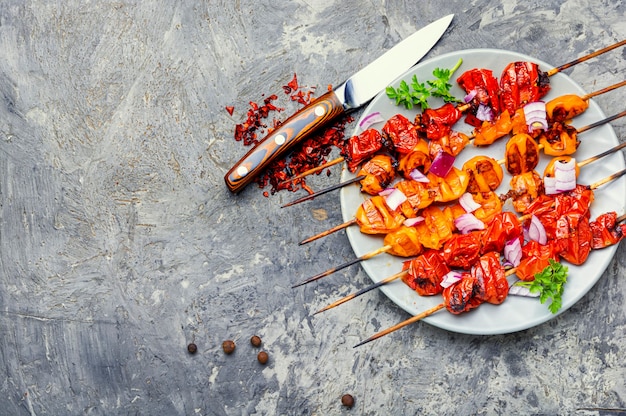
(550, 284)
(418, 93)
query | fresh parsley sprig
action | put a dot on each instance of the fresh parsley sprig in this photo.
(418, 93)
(549, 283)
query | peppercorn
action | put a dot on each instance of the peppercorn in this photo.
(228, 346)
(192, 348)
(262, 357)
(347, 400)
(255, 341)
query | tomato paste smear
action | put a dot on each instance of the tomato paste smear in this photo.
(311, 153)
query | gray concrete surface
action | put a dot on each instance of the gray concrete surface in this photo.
(120, 244)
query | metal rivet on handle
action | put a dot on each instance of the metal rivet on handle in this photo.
(319, 111)
(280, 139)
(242, 171)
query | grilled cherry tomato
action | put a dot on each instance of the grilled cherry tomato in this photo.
(362, 147)
(560, 139)
(462, 250)
(418, 158)
(484, 86)
(485, 174)
(450, 187)
(525, 188)
(573, 236)
(375, 217)
(490, 131)
(379, 172)
(504, 227)
(521, 154)
(404, 242)
(605, 231)
(461, 296)
(438, 122)
(548, 172)
(418, 194)
(522, 83)
(490, 206)
(535, 258)
(426, 272)
(491, 278)
(436, 228)
(565, 107)
(402, 133)
(452, 143)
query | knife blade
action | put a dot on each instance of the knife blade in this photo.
(354, 93)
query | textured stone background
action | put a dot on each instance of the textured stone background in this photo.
(120, 244)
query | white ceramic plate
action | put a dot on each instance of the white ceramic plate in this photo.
(516, 313)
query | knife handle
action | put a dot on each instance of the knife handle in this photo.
(311, 117)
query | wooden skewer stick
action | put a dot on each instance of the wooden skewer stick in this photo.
(600, 122)
(323, 191)
(344, 265)
(584, 58)
(402, 324)
(363, 291)
(606, 180)
(315, 169)
(329, 231)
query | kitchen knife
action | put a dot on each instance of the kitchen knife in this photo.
(357, 91)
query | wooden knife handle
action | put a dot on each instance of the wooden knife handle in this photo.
(310, 118)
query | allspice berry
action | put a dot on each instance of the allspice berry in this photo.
(262, 357)
(228, 346)
(192, 348)
(255, 341)
(347, 400)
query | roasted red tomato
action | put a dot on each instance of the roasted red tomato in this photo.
(522, 83)
(402, 133)
(573, 236)
(437, 122)
(426, 272)
(462, 250)
(462, 295)
(503, 227)
(535, 258)
(491, 278)
(484, 86)
(362, 147)
(605, 231)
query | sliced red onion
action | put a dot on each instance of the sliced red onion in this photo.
(470, 96)
(536, 231)
(467, 202)
(549, 185)
(442, 163)
(513, 251)
(394, 199)
(411, 222)
(484, 113)
(418, 176)
(370, 119)
(450, 278)
(535, 115)
(468, 222)
(565, 175)
(518, 290)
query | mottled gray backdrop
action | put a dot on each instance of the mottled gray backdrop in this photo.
(120, 244)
